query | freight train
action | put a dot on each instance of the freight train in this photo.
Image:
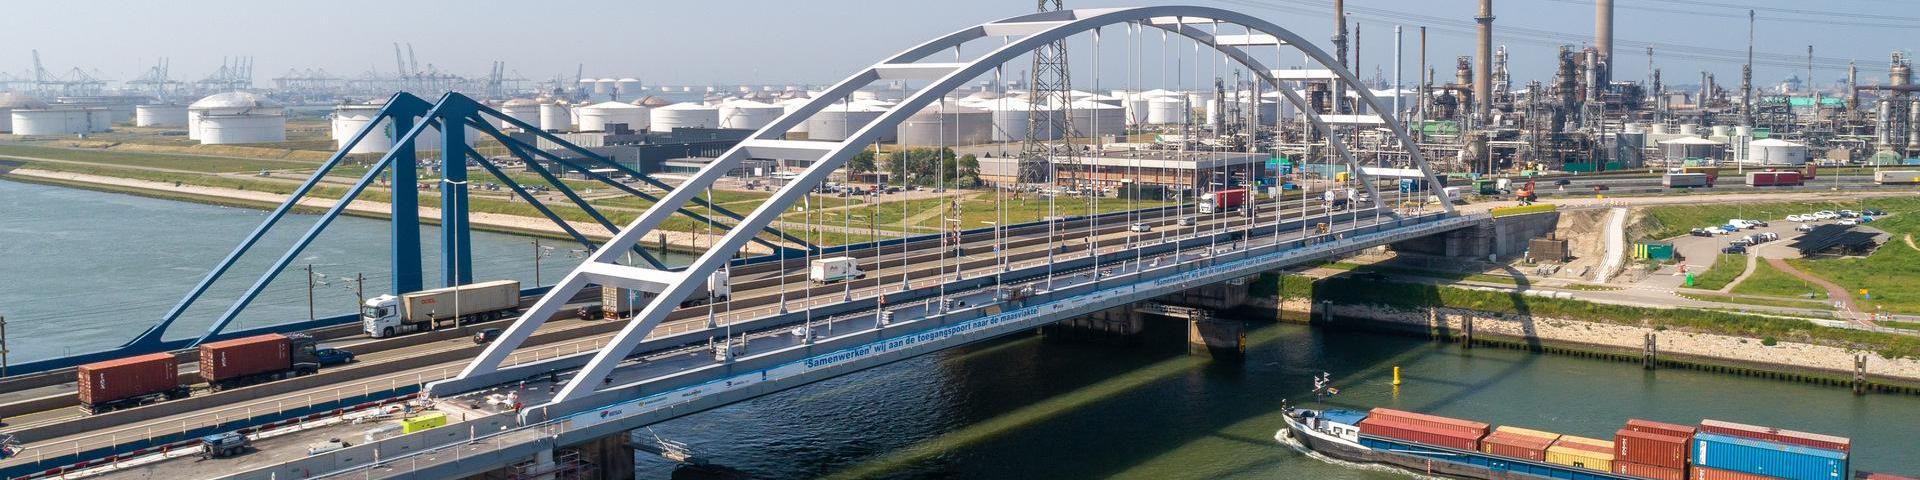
(1897, 177)
(1639, 450)
(140, 380)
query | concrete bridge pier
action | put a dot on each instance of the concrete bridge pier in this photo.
(1219, 339)
(1116, 326)
(608, 458)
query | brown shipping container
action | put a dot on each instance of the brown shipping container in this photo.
(1650, 471)
(1502, 442)
(1513, 430)
(1401, 430)
(1650, 448)
(240, 357)
(1668, 429)
(103, 382)
(1463, 427)
(1771, 434)
(1697, 472)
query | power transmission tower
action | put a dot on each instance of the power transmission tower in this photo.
(1050, 84)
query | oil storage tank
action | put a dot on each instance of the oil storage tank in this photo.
(946, 123)
(235, 118)
(793, 105)
(1691, 148)
(748, 114)
(1167, 110)
(1092, 118)
(350, 118)
(1773, 151)
(9, 102)
(1010, 119)
(160, 115)
(555, 117)
(526, 110)
(685, 115)
(59, 121)
(596, 117)
(838, 121)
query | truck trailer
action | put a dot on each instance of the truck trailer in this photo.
(1897, 177)
(263, 358)
(1686, 180)
(1222, 201)
(129, 382)
(389, 315)
(617, 303)
(829, 270)
(1774, 179)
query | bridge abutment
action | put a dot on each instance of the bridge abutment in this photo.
(1112, 326)
(1503, 237)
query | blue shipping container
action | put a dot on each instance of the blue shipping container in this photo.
(1348, 417)
(1768, 458)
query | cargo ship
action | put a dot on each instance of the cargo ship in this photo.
(1639, 450)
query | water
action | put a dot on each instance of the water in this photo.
(1025, 408)
(82, 271)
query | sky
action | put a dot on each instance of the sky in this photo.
(820, 41)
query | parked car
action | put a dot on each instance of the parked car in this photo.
(1849, 214)
(1795, 218)
(1742, 241)
(1734, 249)
(1826, 215)
(1849, 222)
(1702, 232)
(1729, 228)
(1769, 236)
(1739, 224)
(1804, 227)
(1874, 212)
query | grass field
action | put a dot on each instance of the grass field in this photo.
(143, 160)
(1889, 273)
(1724, 270)
(1769, 281)
(1762, 302)
(1675, 220)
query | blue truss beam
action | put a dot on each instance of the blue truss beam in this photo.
(531, 200)
(568, 192)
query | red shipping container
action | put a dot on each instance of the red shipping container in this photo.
(1882, 476)
(1651, 448)
(1516, 446)
(1668, 429)
(1650, 471)
(1790, 437)
(1697, 472)
(240, 357)
(1413, 432)
(1462, 427)
(103, 382)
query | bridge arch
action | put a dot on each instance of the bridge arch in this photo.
(1032, 32)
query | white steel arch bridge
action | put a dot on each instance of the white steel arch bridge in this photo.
(1244, 39)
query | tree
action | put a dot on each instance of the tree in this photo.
(861, 162)
(967, 172)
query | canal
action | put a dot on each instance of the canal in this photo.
(1024, 407)
(83, 270)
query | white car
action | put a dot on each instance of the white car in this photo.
(1804, 227)
(1795, 218)
(1140, 227)
(1826, 215)
(1849, 222)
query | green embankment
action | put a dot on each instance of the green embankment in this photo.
(1724, 270)
(1343, 290)
(1770, 281)
(1890, 274)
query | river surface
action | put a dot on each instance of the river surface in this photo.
(1024, 407)
(86, 270)
(83, 271)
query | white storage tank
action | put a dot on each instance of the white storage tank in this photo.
(1773, 151)
(748, 114)
(838, 121)
(1136, 106)
(793, 105)
(949, 124)
(596, 117)
(523, 109)
(1010, 119)
(10, 102)
(236, 117)
(555, 117)
(1092, 118)
(160, 115)
(1167, 110)
(685, 115)
(1685, 148)
(59, 121)
(348, 119)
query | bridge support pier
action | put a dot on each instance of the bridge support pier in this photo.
(1116, 326)
(610, 456)
(1219, 339)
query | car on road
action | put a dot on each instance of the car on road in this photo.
(1140, 227)
(1186, 221)
(1562, 182)
(1735, 249)
(486, 336)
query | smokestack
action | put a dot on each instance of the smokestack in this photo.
(1483, 72)
(1340, 52)
(1603, 36)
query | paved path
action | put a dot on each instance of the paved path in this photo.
(1834, 292)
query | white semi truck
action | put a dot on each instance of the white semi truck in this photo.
(617, 303)
(389, 315)
(829, 270)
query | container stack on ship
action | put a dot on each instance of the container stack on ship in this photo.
(1639, 450)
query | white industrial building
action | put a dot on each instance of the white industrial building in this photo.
(160, 115)
(597, 117)
(236, 117)
(685, 115)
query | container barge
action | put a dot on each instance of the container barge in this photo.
(1639, 450)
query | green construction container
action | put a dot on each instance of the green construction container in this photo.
(1656, 251)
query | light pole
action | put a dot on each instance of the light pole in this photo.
(539, 251)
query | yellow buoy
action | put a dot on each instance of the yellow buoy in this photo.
(1396, 375)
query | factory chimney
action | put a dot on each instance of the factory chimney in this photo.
(1603, 37)
(1340, 52)
(1483, 71)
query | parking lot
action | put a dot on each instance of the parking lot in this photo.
(1701, 252)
